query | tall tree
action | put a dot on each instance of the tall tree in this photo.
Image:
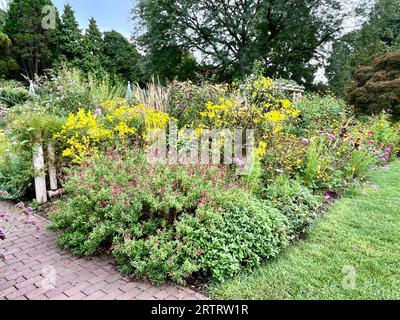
(93, 47)
(69, 37)
(376, 88)
(286, 35)
(121, 57)
(379, 34)
(32, 43)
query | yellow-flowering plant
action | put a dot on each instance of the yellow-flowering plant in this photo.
(114, 124)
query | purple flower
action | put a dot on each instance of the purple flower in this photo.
(29, 210)
(329, 196)
(240, 162)
(99, 112)
(306, 141)
(181, 105)
(331, 136)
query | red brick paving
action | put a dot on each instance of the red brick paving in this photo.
(35, 268)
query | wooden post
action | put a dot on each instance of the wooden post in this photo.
(39, 170)
(52, 167)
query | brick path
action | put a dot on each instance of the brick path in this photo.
(35, 268)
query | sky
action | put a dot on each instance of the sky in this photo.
(109, 14)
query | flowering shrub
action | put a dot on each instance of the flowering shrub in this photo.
(113, 123)
(319, 112)
(341, 155)
(187, 100)
(175, 222)
(146, 215)
(285, 154)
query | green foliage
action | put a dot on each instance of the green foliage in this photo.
(187, 100)
(33, 46)
(379, 34)
(69, 38)
(15, 169)
(12, 93)
(296, 202)
(283, 35)
(319, 112)
(92, 48)
(159, 220)
(69, 90)
(170, 63)
(232, 231)
(7, 63)
(121, 57)
(360, 230)
(375, 88)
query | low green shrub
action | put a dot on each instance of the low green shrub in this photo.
(230, 231)
(296, 202)
(12, 96)
(166, 222)
(15, 169)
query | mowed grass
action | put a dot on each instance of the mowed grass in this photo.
(360, 233)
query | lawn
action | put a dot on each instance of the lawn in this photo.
(359, 236)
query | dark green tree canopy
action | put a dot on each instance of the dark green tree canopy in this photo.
(285, 35)
(93, 39)
(92, 48)
(69, 36)
(379, 34)
(121, 56)
(32, 45)
(376, 88)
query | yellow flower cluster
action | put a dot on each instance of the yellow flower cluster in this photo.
(154, 119)
(82, 132)
(113, 123)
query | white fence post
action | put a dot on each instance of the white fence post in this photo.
(39, 169)
(52, 166)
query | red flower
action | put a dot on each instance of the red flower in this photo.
(371, 133)
(103, 204)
